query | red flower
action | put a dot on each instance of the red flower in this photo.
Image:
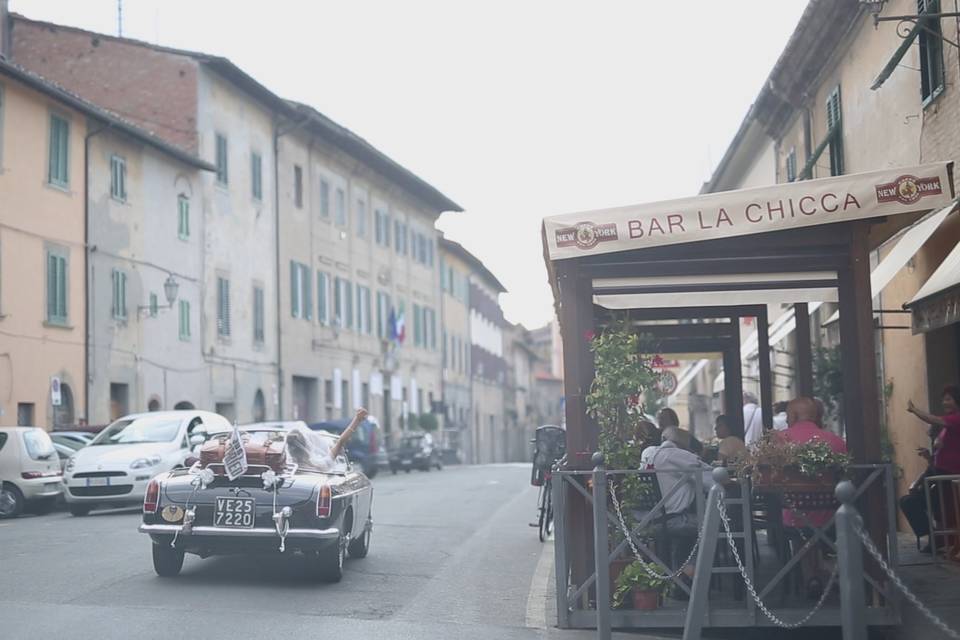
(657, 361)
(589, 336)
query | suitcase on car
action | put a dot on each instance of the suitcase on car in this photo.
(270, 454)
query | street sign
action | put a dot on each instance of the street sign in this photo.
(55, 396)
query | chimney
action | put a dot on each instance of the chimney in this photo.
(6, 31)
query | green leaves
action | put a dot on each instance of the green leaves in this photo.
(637, 575)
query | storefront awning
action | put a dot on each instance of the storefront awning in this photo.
(937, 304)
(907, 247)
(749, 211)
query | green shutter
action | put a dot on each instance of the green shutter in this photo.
(294, 290)
(306, 284)
(57, 165)
(183, 217)
(348, 303)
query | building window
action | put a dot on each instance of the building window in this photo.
(259, 315)
(383, 315)
(324, 198)
(183, 217)
(341, 208)
(343, 303)
(323, 297)
(298, 186)
(184, 320)
(301, 291)
(119, 307)
(417, 326)
(792, 165)
(58, 166)
(364, 324)
(256, 173)
(57, 286)
(223, 307)
(398, 236)
(222, 176)
(154, 305)
(361, 219)
(931, 52)
(118, 178)
(835, 127)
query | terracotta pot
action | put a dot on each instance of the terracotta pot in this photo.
(645, 600)
(790, 479)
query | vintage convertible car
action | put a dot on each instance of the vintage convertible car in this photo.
(283, 503)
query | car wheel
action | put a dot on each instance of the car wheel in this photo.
(11, 501)
(361, 546)
(328, 562)
(167, 561)
(79, 510)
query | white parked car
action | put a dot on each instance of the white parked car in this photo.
(114, 469)
(29, 471)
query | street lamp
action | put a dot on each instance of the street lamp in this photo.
(170, 287)
(908, 24)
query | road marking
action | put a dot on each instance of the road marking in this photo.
(536, 616)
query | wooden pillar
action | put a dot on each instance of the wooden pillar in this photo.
(766, 376)
(733, 382)
(576, 324)
(804, 360)
(861, 402)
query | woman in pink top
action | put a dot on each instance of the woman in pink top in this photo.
(946, 456)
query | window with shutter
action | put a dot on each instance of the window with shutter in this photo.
(119, 306)
(931, 52)
(324, 198)
(341, 208)
(835, 127)
(118, 178)
(323, 285)
(259, 315)
(348, 303)
(306, 284)
(57, 286)
(298, 186)
(57, 163)
(295, 288)
(184, 320)
(361, 214)
(154, 305)
(256, 175)
(221, 159)
(223, 307)
(367, 323)
(183, 217)
(792, 165)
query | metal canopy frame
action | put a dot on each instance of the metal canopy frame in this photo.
(843, 249)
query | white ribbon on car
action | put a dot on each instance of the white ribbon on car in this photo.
(202, 478)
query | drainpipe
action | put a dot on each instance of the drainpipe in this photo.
(87, 266)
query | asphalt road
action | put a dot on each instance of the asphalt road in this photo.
(452, 556)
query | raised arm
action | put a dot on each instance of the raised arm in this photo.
(929, 418)
(344, 438)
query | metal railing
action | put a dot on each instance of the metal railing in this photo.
(584, 602)
(947, 525)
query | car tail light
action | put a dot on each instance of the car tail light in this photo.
(33, 475)
(151, 498)
(324, 502)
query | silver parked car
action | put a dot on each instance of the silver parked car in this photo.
(30, 475)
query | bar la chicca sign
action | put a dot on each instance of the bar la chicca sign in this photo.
(761, 210)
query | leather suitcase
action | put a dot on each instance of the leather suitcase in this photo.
(269, 454)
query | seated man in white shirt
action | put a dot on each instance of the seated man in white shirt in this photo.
(674, 465)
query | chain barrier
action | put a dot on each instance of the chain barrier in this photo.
(644, 562)
(753, 591)
(914, 600)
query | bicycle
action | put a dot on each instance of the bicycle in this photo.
(550, 447)
(545, 500)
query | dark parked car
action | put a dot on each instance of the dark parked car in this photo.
(321, 514)
(415, 451)
(366, 448)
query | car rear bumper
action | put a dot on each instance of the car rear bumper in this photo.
(40, 488)
(258, 533)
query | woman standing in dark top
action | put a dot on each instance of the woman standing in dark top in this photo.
(946, 457)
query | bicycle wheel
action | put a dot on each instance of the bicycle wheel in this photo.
(549, 523)
(544, 510)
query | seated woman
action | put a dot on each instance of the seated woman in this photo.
(318, 450)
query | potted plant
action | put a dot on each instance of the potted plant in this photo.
(640, 580)
(778, 463)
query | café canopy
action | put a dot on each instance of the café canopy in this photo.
(724, 256)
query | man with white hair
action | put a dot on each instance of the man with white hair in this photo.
(673, 465)
(752, 419)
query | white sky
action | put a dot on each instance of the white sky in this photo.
(515, 109)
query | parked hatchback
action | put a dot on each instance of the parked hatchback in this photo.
(365, 447)
(29, 471)
(415, 451)
(115, 468)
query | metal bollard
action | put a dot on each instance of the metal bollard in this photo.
(853, 606)
(601, 547)
(699, 605)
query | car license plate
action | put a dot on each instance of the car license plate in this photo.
(236, 513)
(51, 486)
(98, 482)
